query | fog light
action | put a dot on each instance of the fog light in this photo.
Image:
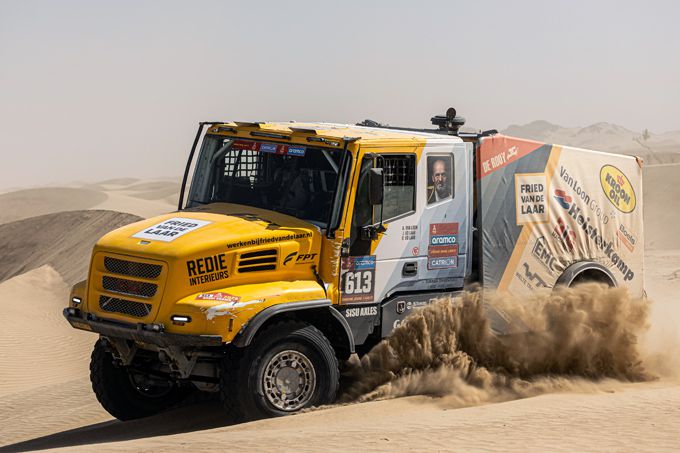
(76, 300)
(180, 318)
(72, 311)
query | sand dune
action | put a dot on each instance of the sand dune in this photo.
(22, 204)
(655, 148)
(39, 348)
(44, 383)
(128, 195)
(64, 240)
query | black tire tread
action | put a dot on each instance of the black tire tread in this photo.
(113, 399)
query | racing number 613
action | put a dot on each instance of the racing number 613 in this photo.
(358, 282)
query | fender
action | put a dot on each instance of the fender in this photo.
(571, 272)
(250, 329)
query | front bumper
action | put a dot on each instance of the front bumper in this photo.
(137, 332)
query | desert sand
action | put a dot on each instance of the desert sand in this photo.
(46, 401)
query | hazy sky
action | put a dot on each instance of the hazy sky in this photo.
(99, 89)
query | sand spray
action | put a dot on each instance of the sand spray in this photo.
(562, 340)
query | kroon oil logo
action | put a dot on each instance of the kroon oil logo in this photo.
(617, 188)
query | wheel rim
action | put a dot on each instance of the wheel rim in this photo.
(289, 380)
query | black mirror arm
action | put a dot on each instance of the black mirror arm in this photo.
(371, 232)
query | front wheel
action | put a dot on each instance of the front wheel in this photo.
(289, 367)
(126, 394)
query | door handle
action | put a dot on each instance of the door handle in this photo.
(410, 268)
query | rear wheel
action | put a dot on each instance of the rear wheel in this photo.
(289, 367)
(127, 394)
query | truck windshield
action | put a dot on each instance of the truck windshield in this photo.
(292, 179)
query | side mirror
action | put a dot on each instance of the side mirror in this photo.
(375, 186)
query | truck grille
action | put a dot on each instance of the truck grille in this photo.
(262, 260)
(132, 268)
(126, 307)
(129, 287)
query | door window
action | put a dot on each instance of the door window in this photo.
(399, 174)
(399, 196)
(440, 179)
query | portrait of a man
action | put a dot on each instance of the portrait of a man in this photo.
(439, 178)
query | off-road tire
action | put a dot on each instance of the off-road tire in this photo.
(242, 373)
(117, 394)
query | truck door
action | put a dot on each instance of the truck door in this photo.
(377, 261)
(425, 212)
(446, 218)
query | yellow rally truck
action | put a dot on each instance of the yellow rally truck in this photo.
(297, 245)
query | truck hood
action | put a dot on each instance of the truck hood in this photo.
(222, 226)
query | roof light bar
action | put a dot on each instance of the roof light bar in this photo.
(270, 135)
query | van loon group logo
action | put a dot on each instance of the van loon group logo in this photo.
(562, 198)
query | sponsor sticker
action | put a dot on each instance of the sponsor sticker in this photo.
(497, 152)
(595, 236)
(529, 278)
(626, 238)
(268, 240)
(442, 263)
(207, 269)
(296, 151)
(443, 233)
(442, 251)
(531, 198)
(564, 234)
(302, 258)
(305, 258)
(541, 251)
(171, 229)
(357, 279)
(245, 144)
(219, 297)
(361, 311)
(617, 188)
(565, 199)
(269, 148)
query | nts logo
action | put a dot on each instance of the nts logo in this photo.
(562, 198)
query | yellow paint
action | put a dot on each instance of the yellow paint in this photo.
(335, 133)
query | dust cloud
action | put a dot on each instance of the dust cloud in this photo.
(567, 339)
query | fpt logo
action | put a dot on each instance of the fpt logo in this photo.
(562, 198)
(617, 188)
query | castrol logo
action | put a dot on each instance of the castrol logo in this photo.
(617, 188)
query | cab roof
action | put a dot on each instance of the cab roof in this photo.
(327, 132)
